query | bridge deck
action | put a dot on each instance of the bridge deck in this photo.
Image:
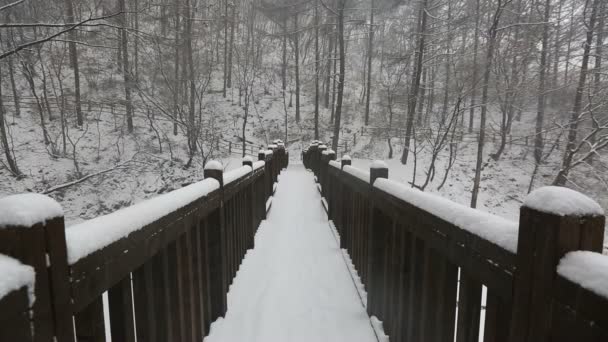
(294, 286)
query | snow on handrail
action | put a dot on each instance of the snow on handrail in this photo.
(258, 164)
(362, 175)
(500, 231)
(87, 237)
(26, 210)
(235, 174)
(587, 269)
(335, 164)
(16, 275)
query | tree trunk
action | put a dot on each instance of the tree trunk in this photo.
(297, 62)
(225, 48)
(335, 81)
(177, 83)
(338, 114)
(414, 89)
(577, 108)
(284, 64)
(492, 34)
(370, 50)
(475, 69)
(11, 74)
(597, 68)
(192, 130)
(69, 7)
(540, 110)
(12, 164)
(231, 47)
(125, 66)
(328, 75)
(447, 65)
(317, 56)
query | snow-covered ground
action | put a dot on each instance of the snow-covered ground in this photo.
(295, 284)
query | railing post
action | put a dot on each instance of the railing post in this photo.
(312, 156)
(323, 170)
(217, 249)
(319, 153)
(553, 221)
(331, 155)
(339, 214)
(378, 233)
(248, 161)
(35, 235)
(378, 169)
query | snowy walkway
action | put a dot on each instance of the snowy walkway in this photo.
(294, 286)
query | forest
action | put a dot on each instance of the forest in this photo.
(106, 102)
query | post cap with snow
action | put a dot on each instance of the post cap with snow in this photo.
(346, 157)
(562, 201)
(215, 165)
(27, 210)
(378, 164)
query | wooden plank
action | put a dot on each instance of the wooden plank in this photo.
(216, 265)
(172, 298)
(405, 273)
(143, 299)
(469, 309)
(90, 324)
(198, 277)
(189, 279)
(120, 300)
(567, 326)
(446, 317)
(586, 304)
(59, 279)
(417, 267)
(498, 317)
(158, 288)
(14, 316)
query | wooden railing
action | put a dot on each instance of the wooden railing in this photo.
(424, 260)
(165, 263)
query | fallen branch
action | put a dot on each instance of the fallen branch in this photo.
(80, 180)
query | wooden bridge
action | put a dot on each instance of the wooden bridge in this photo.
(427, 268)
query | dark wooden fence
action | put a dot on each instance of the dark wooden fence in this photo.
(166, 275)
(424, 260)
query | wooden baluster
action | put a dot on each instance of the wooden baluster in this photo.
(120, 300)
(469, 309)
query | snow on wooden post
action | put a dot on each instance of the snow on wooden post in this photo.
(217, 253)
(345, 161)
(553, 221)
(248, 161)
(378, 169)
(261, 155)
(323, 169)
(32, 230)
(319, 153)
(214, 169)
(312, 155)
